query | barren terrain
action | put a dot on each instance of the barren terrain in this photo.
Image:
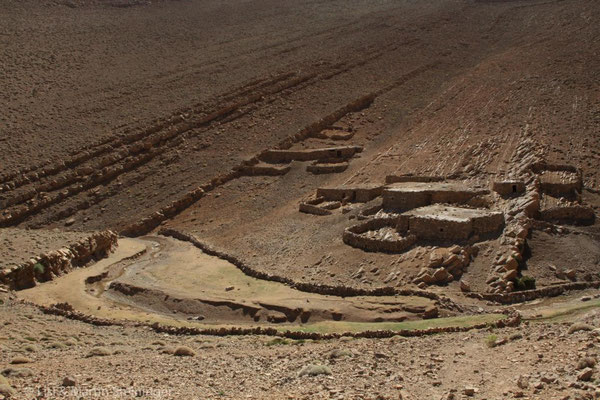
(318, 199)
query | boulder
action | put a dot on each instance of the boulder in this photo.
(464, 286)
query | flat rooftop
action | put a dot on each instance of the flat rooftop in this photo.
(447, 213)
(432, 187)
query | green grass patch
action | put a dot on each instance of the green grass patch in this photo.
(562, 314)
(342, 326)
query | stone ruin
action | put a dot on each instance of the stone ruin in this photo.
(408, 195)
(287, 156)
(449, 223)
(560, 188)
(331, 198)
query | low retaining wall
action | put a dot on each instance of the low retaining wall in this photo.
(150, 222)
(342, 291)
(353, 237)
(55, 263)
(318, 169)
(412, 178)
(528, 295)
(359, 193)
(578, 213)
(312, 209)
(513, 319)
(265, 170)
(286, 156)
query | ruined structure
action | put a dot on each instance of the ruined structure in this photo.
(438, 222)
(351, 193)
(286, 156)
(509, 187)
(408, 195)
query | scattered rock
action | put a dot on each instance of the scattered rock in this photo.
(338, 353)
(21, 360)
(99, 352)
(313, 370)
(523, 382)
(580, 327)
(464, 286)
(68, 381)
(17, 372)
(469, 391)
(585, 375)
(7, 391)
(184, 351)
(586, 362)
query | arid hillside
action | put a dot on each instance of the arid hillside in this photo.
(350, 185)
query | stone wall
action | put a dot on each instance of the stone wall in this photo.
(528, 295)
(405, 201)
(354, 237)
(55, 263)
(286, 156)
(261, 169)
(435, 229)
(327, 168)
(360, 193)
(513, 319)
(343, 291)
(412, 178)
(576, 213)
(406, 196)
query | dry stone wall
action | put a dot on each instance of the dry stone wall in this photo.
(55, 263)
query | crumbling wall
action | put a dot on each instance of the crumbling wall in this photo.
(435, 228)
(354, 237)
(513, 318)
(360, 194)
(286, 156)
(575, 213)
(265, 170)
(412, 178)
(528, 295)
(324, 168)
(55, 263)
(493, 222)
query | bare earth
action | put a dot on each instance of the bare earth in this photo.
(244, 153)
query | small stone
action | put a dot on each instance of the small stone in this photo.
(184, 351)
(68, 381)
(313, 370)
(585, 375)
(21, 360)
(469, 391)
(523, 382)
(580, 327)
(464, 286)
